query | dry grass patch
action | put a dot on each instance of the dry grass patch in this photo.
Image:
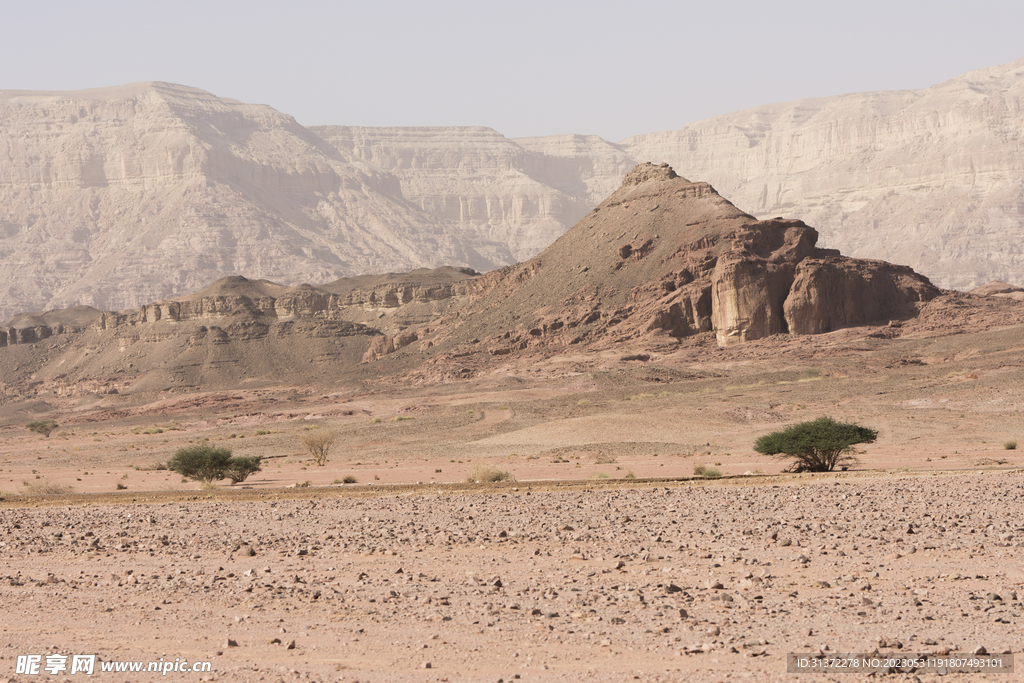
(707, 472)
(487, 474)
(47, 488)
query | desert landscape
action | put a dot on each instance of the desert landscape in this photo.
(617, 382)
(504, 395)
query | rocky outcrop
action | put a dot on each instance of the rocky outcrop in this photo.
(751, 281)
(232, 332)
(1000, 289)
(833, 292)
(28, 328)
(664, 258)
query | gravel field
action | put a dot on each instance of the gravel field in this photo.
(658, 582)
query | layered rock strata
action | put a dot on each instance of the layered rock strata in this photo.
(118, 196)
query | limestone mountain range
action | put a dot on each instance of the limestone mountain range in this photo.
(120, 196)
(659, 263)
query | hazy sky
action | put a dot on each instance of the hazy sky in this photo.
(612, 69)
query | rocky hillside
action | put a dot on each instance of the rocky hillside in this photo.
(664, 258)
(232, 333)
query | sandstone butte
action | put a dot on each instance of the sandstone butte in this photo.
(120, 196)
(661, 261)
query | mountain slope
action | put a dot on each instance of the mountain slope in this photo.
(118, 196)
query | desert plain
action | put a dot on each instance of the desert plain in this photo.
(605, 559)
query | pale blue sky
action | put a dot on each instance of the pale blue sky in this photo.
(524, 67)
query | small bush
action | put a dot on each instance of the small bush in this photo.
(348, 480)
(817, 446)
(706, 472)
(486, 474)
(318, 443)
(43, 427)
(202, 463)
(604, 459)
(1010, 445)
(239, 469)
(629, 475)
(153, 430)
(600, 475)
(120, 487)
(261, 432)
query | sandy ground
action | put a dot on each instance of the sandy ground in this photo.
(713, 582)
(160, 568)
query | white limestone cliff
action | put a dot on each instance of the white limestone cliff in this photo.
(932, 178)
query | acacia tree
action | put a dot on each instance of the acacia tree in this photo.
(817, 446)
(318, 443)
(207, 464)
(239, 469)
(43, 427)
(202, 463)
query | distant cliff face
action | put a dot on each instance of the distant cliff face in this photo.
(519, 195)
(931, 178)
(119, 196)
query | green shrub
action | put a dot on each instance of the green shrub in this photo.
(817, 446)
(1010, 445)
(202, 463)
(43, 427)
(706, 472)
(349, 480)
(239, 469)
(485, 474)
